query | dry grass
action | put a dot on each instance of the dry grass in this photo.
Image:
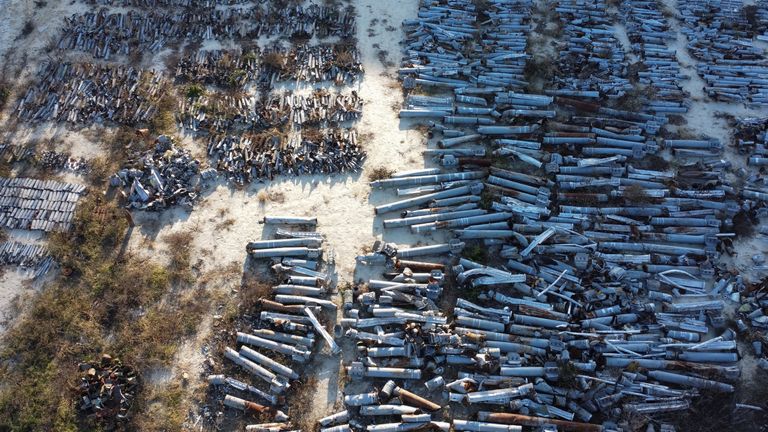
(164, 121)
(744, 224)
(274, 60)
(380, 173)
(276, 196)
(108, 302)
(312, 134)
(28, 28)
(162, 408)
(136, 57)
(300, 401)
(5, 94)
(539, 71)
(179, 251)
(265, 195)
(101, 169)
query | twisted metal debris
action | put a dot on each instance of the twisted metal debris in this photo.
(160, 178)
(106, 390)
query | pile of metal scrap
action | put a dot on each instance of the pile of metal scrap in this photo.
(750, 139)
(340, 64)
(104, 34)
(160, 178)
(305, 22)
(33, 204)
(226, 69)
(601, 295)
(436, 45)
(219, 113)
(171, 21)
(32, 256)
(87, 93)
(53, 160)
(168, 3)
(243, 159)
(721, 36)
(569, 323)
(593, 59)
(106, 390)
(285, 326)
(659, 71)
(322, 108)
(228, 114)
(401, 335)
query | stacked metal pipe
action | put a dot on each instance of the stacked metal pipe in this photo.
(599, 295)
(339, 64)
(660, 75)
(244, 159)
(104, 34)
(32, 204)
(225, 68)
(32, 256)
(307, 21)
(219, 113)
(286, 326)
(593, 59)
(720, 36)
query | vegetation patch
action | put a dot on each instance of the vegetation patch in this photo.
(380, 173)
(106, 301)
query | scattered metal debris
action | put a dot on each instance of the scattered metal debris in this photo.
(720, 36)
(160, 178)
(278, 343)
(53, 160)
(106, 390)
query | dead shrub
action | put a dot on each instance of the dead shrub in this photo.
(380, 173)
(274, 60)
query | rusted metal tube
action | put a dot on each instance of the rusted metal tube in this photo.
(524, 420)
(409, 398)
